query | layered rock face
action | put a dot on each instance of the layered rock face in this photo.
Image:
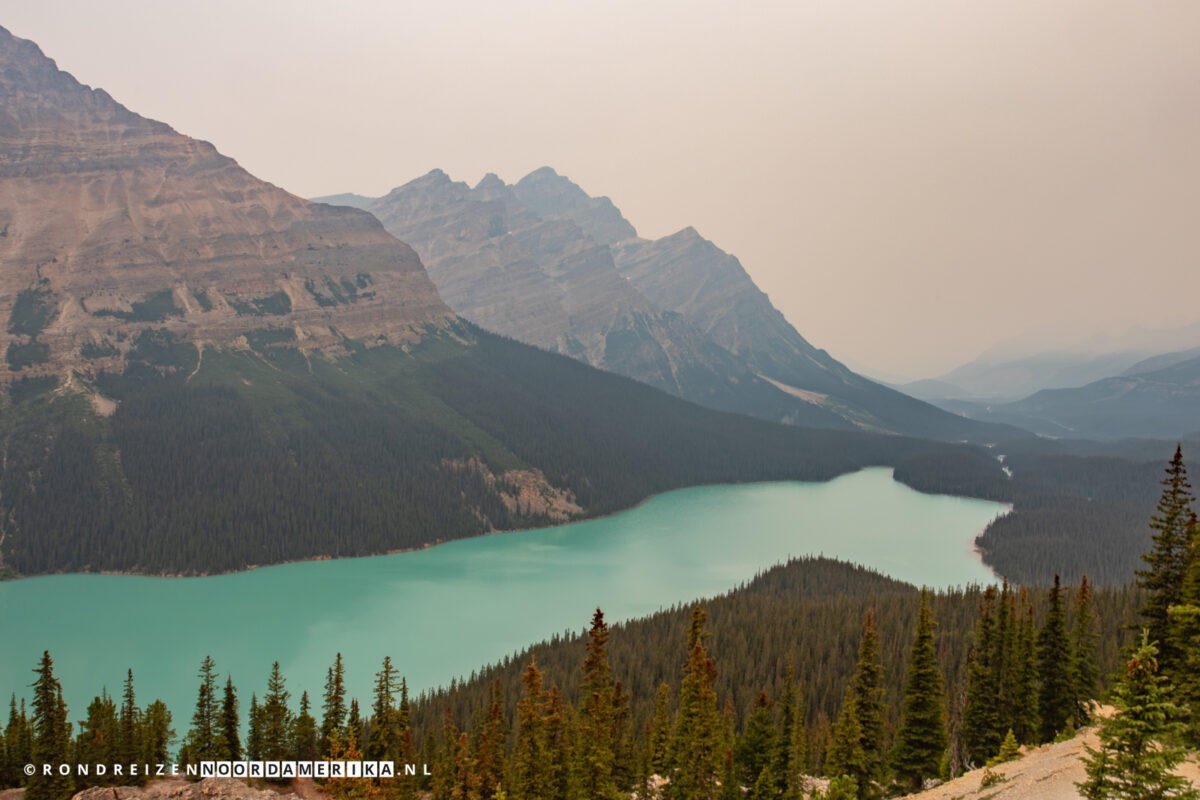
(111, 223)
(546, 264)
(544, 280)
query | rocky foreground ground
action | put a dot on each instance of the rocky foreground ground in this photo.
(1049, 772)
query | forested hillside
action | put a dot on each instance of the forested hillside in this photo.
(265, 455)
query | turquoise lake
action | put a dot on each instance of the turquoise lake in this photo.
(444, 611)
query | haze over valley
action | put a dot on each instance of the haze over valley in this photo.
(270, 444)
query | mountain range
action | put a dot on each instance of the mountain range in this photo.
(205, 372)
(543, 262)
(1156, 398)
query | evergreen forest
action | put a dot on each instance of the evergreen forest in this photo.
(813, 668)
(263, 455)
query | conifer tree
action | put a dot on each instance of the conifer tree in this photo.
(1026, 721)
(275, 718)
(764, 787)
(1136, 752)
(51, 736)
(1167, 560)
(845, 755)
(790, 762)
(129, 729)
(658, 739)
(304, 732)
(1185, 632)
(157, 733)
(254, 737)
(465, 784)
(1009, 750)
(921, 739)
(560, 736)
(1056, 694)
(594, 755)
(867, 689)
(755, 747)
(334, 704)
(444, 767)
(354, 724)
(1085, 674)
(531, 768)
(16, 738)
(384, 737)
(202, 738)
(1004, 655)
(491, 746)
(229, 725)
(696, 751)
(98, 738)
(624, 746)
(982, 726)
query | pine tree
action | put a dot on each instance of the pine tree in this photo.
(531, 768)
(334, 705)
(384, 737)
(254, 738)
(696, 751)
(594, 755)
(1004, 656)
(1085, 674)
(202, 742)
(229, 740)
(51, 736)
(1009, 750)
(1136, 753)
(1167, 560)
(560, 742)
(1056, 694)
(157, 733)
(275, 718)
(755, 747)
(304, 732)
(490, 745)
(867, 688)
(129, 729)
(17, 742)
(921, 739)
(98, 738)
(1185, 632)
(624, 745)
(354, 725)
(982, 726)
(790, 762)
(658, 739)
(1026, 721)
(845, 755)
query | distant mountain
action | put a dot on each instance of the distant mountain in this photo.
(1154, 403)
(543, 262)
(1156, 363)
(999, 379)
(547, 283)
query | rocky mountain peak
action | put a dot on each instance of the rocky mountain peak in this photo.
(553, 196)
(112, 225)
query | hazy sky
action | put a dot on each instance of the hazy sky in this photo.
(909, 181)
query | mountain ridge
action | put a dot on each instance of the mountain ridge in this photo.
(113, 224)
(674, 306)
